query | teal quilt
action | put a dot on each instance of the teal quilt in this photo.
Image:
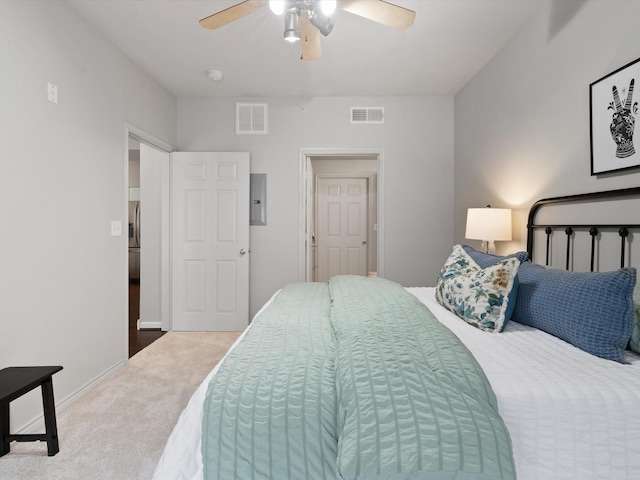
(354, 379)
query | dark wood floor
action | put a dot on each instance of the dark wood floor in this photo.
(138, 339)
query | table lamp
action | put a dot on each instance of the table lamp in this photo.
(488, 224)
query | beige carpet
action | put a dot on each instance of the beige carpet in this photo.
(118, 430)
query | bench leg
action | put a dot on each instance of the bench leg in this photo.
(50, 417)
(5, 443)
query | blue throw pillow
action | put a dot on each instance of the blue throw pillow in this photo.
(634, 342)
(593, 311)
(485, 260)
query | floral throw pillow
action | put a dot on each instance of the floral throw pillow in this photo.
(480, 296)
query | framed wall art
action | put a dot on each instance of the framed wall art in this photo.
(615, 145)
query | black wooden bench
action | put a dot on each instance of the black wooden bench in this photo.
(15, 382)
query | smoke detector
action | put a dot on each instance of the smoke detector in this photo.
(215, 75)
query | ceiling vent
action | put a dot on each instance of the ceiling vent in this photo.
(251, 119)
(367, 114)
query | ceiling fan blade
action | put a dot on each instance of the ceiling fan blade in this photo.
(232, 14)
(309, 38)
(381, 12)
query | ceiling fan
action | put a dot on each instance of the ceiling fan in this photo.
(306, 19)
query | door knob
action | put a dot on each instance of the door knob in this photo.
(364, 242)
(242, 251)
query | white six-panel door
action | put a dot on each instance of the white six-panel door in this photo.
(341, 227)
(210, 241)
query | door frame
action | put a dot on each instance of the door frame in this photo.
(131, 131)
(304, 243)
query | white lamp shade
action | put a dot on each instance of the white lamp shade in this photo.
(488, 224)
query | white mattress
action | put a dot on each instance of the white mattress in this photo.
(570, 415)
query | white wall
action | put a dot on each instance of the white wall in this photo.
(134, 167)
(63, 283)
(522, 123)
(417, 138)
(151, 181)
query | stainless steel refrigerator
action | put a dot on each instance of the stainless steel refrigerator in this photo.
(134, 241)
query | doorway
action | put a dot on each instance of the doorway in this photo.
(342, 217)
(141, 336)
(146, 234)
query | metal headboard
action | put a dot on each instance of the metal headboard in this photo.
(569, 229)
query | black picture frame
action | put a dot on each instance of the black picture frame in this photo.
(612, 120)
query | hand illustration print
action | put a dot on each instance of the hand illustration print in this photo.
(623, 123)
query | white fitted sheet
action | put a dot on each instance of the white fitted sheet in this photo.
(570, 415)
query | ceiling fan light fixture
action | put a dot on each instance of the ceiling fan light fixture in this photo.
(328, 6)
(277, 6)
(291, 31)
(306, 19)
(322, 22)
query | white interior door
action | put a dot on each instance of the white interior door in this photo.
(341, 227)
(210, 241)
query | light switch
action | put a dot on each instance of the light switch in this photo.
(116, 228)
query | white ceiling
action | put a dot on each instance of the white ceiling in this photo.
(448, 44)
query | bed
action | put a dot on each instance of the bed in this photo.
(362, 378)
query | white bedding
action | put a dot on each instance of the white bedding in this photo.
(570, 415)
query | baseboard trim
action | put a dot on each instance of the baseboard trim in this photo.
(149, 325)
(36, 423)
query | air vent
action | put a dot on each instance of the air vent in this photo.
(367, 114)
(251, 119)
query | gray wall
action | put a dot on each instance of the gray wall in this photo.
(522, 123)
(63, 283)
(417, 138)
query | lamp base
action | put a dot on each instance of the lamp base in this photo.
(489, 246)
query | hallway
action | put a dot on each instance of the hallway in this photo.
(138, 339)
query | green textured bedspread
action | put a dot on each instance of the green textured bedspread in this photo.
(352, 380)
(269, 412)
